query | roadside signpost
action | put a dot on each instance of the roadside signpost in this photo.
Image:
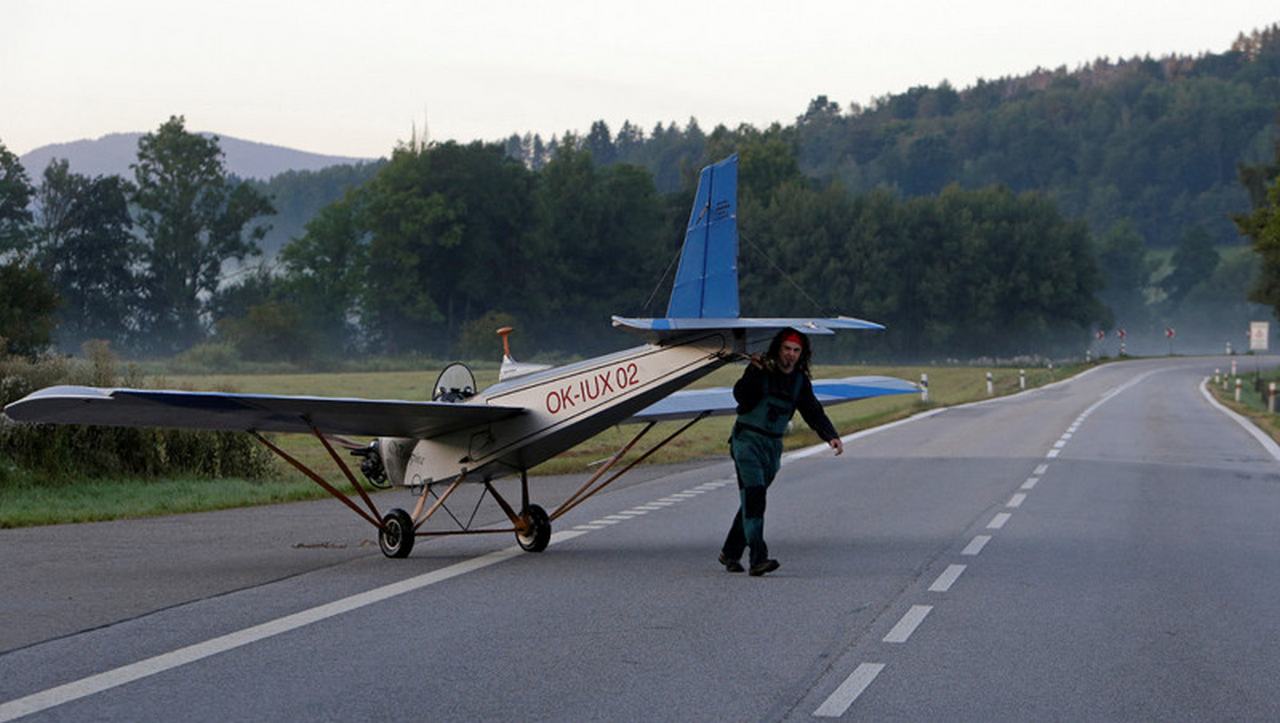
(1259, 333)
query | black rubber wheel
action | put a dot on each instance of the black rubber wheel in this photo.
(539, 534)
(396, 536)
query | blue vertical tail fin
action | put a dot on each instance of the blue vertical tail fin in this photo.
(706, 285)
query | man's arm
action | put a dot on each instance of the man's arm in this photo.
(750, 388)
(815, 416)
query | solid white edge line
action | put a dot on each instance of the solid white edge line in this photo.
(947, 578)
(147, 667)
(908, 624)
(998, 521)
(1263, 438)
(839, 701)
(975, 545)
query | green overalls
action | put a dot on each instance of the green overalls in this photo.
(756, 449)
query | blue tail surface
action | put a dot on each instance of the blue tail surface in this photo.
(705, 295)
(706, 285)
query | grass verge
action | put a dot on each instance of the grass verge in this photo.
(1253, 401)
(26, 501)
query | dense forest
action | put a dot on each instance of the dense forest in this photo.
(1014, 217)
(1153, 141)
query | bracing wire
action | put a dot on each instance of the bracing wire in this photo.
(785, 275)
(661, 280)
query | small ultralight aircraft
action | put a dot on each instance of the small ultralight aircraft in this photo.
(533, 412)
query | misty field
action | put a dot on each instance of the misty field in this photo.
(23, 505)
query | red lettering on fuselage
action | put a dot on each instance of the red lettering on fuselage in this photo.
(586, 390)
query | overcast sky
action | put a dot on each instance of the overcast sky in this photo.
(352, 77)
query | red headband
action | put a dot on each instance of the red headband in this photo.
(794, 336)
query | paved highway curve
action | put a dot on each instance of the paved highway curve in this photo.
(1104, 548)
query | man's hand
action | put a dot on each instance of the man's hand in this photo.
(757, 360)
(837, 445)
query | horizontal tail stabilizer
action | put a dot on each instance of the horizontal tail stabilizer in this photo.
(719, 400)
(663, 329)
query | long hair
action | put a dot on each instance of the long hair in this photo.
(775, 350)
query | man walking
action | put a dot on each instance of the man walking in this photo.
(771, 390)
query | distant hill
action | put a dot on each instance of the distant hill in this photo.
(112, 154)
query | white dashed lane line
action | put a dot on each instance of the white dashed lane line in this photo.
(1052, 453)
(947, 578)
(1030, 483)
(838, 702)
(975, 545)
(1042, 469)
(998, 521)
(908, 624)
(1016, 500)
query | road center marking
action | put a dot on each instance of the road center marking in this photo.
(947, 578)
(908, 624)
(1041, 469)
(975, 545)
(998, 521)
(1030, 483)
(838, 702)
(1016, 500)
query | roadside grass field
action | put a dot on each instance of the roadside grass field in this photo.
(39, 504)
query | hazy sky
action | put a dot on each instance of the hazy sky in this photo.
(352, 77)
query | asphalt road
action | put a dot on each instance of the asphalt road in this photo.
(1102, 549)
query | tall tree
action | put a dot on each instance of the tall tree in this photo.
(1194, 262)
(1126, 272)
(446, 230)
(193, 218)
(1262, 226)
(15, 196)
(86, 247)
(27, 306)
(325, 271)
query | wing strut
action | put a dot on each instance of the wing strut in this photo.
(375, 520)
(584, 493)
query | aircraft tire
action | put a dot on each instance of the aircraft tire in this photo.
(396, 536)
(540, 536)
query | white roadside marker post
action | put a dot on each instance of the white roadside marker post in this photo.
(924, 387)
(1238, 385)
(1217, 376)
(1233, 367)
(1271, 397)
(1022, 379)
(990, 387)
